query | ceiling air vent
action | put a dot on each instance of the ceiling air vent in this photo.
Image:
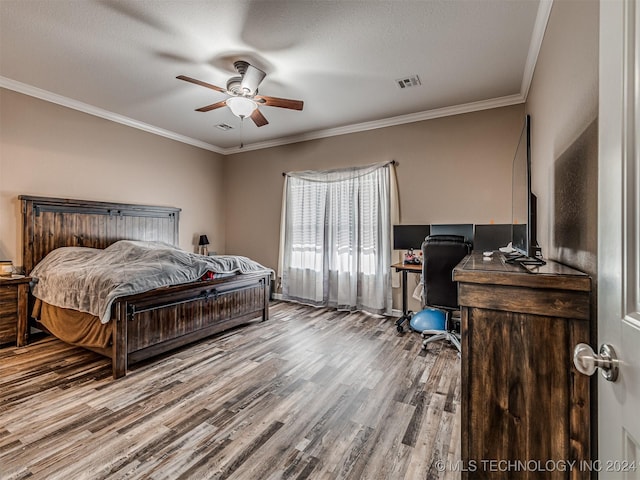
(224, 126)
(412, 81)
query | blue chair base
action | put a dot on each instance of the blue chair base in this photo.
(432, 323)
(429, 319)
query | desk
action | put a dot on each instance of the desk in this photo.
(404, 269)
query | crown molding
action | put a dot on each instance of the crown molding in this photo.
(539, 28)
(386, 122)
(99, 112)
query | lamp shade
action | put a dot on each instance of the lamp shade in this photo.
(241, 106)
(203, 240)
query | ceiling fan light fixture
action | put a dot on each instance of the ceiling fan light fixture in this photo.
(241, 106)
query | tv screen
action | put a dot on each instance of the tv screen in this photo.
(523, 229)
(406, 237)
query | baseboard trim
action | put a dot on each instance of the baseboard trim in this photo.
(394, 312)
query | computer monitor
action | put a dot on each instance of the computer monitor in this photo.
(463, 229)
(406, 237)
(491, 236)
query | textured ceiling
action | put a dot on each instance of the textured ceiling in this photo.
(119, 59)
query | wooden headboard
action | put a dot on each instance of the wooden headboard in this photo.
(50, 223)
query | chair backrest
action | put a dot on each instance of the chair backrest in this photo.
(441, 253)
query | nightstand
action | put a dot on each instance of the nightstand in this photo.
(14, 292)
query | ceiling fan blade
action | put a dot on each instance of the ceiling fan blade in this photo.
(251, 79)
(201, 83)
(258, 118)
(279, 102)
(213, 106)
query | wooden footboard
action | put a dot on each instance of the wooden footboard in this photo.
(152, 323)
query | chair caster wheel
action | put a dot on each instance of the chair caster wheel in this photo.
(400, 329)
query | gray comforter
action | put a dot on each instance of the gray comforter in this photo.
(90, 279)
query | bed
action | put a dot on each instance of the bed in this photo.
(141, 325)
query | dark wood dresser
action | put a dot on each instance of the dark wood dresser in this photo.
(525, 408)
(13, 310)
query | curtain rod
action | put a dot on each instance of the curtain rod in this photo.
(392, 162)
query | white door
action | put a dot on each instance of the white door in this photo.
(619, 238)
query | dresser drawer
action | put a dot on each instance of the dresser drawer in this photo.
(8, 313)
(8, 328)
(8, 300)
(13, 310)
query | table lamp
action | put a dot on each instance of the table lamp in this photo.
(202, 245)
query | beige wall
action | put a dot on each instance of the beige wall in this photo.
(49, 150)
(563, 103)
(451, 170)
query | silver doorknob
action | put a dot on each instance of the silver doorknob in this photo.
(586, 361)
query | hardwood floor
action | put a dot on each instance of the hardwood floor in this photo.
(311, 393)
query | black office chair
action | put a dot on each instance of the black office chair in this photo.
(441, 253)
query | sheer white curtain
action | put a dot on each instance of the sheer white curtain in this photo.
(336, 238)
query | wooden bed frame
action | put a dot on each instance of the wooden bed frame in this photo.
(151, 323)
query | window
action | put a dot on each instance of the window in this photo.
(336, 247)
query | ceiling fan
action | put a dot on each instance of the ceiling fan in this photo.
(243, 90)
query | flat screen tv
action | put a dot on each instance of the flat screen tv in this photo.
(523, 228)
